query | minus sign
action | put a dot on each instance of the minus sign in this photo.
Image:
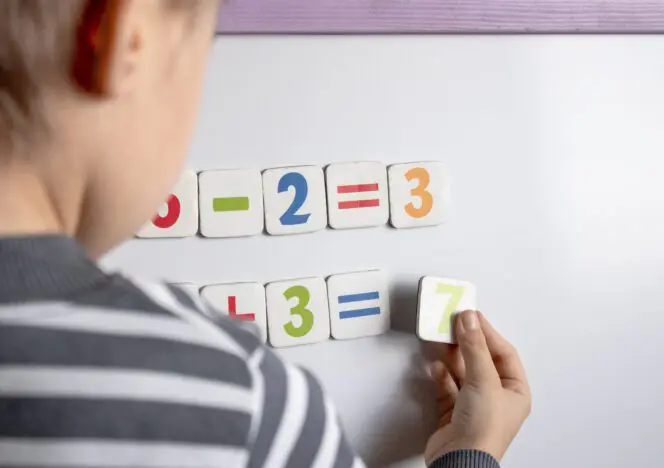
(221, 205)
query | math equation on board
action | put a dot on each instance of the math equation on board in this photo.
(302, 199)
(345, 306)
(305, 199)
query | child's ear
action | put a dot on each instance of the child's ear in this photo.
(109, 41)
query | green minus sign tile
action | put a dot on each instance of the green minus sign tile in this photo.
(230, 204)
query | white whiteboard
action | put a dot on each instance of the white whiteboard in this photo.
(555, 147)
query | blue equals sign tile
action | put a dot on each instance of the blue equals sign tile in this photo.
(356, 298)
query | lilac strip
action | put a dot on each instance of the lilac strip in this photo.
(422, 16)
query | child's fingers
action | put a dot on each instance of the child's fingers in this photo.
(446, 391)
(480, 368)
(450, 355)
(505, 357)
(454, 362)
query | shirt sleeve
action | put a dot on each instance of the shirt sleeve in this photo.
(295, 424)
(465, 459)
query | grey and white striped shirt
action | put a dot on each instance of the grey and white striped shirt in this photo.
(100, 371)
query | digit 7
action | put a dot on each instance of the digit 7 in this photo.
(456, 293)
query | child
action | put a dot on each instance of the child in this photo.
(97, 370)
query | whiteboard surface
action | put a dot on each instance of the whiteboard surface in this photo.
(555, 146)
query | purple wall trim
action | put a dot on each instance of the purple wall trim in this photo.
(445, 16)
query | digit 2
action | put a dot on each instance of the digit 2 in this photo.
(299, 183)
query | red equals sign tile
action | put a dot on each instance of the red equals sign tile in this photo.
(361, 188)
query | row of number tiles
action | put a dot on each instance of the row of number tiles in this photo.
(309, 310)
(244, 202)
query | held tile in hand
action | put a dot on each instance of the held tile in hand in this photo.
(440, 299)
(297, 312)
(294, 200)
(357, 195)
(240, 301)
(359, 304)
(178, 215)
(231, 203)
(419, 194)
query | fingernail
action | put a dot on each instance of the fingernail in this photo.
(470, 320)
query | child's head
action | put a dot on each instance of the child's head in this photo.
(91, 147)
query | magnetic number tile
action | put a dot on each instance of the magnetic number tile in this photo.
(359, 304)
(294, 200)
(419, 194)
(231, 203)
(240, 301)
(297, 312)
(357, 195)
(440, 299)
(178, 215)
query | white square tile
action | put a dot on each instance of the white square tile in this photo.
(297, 312)
(178, 215)
(231, 203)
(359, 304)
(357, 195)
(240, 301)
(294, 200)
(419, 194)
(440, 299)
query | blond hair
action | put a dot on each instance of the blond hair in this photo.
(37, 40)
(36, 45)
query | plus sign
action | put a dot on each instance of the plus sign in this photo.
(232, 311)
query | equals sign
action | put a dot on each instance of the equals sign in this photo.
(361, 188)
(363, 311)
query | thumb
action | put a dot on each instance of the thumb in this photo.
(480, 370)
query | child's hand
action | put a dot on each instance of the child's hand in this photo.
(484, 397)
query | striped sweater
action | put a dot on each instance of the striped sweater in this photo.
(97, 370)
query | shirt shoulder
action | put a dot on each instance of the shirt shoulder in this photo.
(121, 369)
(190, 307)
